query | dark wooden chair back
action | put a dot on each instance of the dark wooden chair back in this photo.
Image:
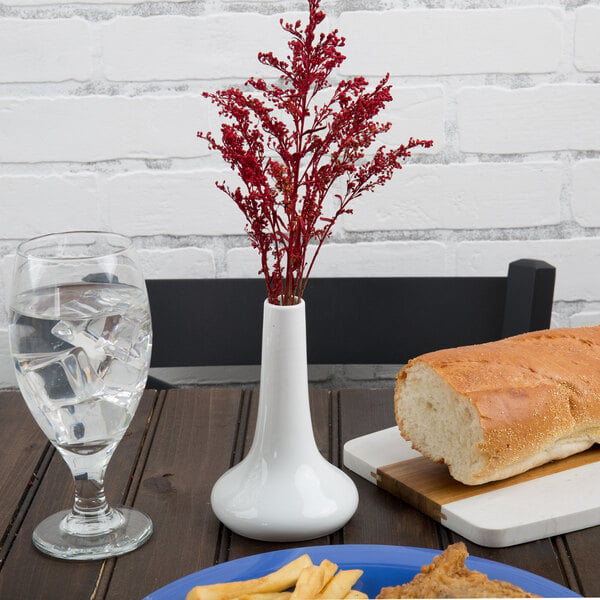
(207, 322)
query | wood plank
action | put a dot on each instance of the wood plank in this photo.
(320, 406)
(109, 564)
(381, 518)
(191, 448)
(582, 547)
(20, 458)
(30, 574)
(433, 484)
(530, 506)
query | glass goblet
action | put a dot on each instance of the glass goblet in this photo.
(81, 337)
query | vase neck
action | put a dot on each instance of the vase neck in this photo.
(284, 410)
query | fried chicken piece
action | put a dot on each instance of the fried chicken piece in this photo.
(448, 577)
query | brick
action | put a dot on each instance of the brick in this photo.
(6, 272)
(7, 374)
(45, 50)
(558, 320)
(462, 196)
(171, 202)
(574, 259)
(442, 42)
(585, 205)
(38, 204)
(94, 128)
(544, 118)
(211, 47)
(61, 2)
(414, 112)
(587, 318)
(375, 259)
(183, 263)
(587, 38)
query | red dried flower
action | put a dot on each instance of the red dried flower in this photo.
(288, 166)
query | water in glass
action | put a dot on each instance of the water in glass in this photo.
(81, 353)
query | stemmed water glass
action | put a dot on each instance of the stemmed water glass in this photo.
(81, 337)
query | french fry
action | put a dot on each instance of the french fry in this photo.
(355, 594)
(340, 584)
(309, 584)
(266, 596)
(278, 581)
(328, 569)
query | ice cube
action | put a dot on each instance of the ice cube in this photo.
(122, 375)
(64, 331)
(95, 328)
(81, 374)
(82, 336)
(44, 377)
(119, 338)
(63, 377)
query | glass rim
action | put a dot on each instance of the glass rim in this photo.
(29, 253)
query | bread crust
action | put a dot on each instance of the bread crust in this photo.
(537, 397)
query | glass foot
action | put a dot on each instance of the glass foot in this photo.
(129, 529)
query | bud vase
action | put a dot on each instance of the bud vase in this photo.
(284, 490)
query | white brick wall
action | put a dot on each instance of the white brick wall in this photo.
(493, 120)
(42, 50)
(586, 194)
(100, 103)
(463, 196)
(587, 40)
(453, 42)
(574, 259)
(100, 127)
(212, 47)
(170, 203)
(372, 259)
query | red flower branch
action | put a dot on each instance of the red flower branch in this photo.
(289, 151)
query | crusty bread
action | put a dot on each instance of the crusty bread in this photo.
(448, 577)
(494, 410)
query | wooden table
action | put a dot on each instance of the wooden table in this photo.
(180, 441)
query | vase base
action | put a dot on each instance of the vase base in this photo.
(303, 504)
(271, 534)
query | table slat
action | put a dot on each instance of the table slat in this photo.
(191, 448)
(381, 518)
(23, 448)
(582, 546)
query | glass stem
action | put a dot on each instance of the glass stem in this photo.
(91, 514)
(90, 499)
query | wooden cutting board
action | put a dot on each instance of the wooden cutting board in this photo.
(555, 498)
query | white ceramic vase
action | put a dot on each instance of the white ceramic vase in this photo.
(284, 490)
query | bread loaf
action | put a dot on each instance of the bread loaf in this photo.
(494, 410)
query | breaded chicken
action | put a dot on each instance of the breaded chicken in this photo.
(448, 577)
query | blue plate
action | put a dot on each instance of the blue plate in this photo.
(382, 565)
